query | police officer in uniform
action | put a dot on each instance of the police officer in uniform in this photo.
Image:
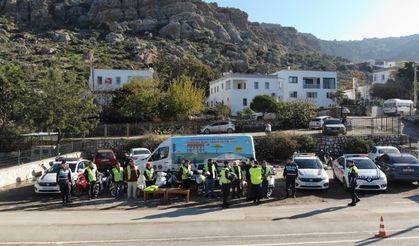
(118, 179)
(150, 177)
(236, 184)
(353, 175)
(256, 180)
(211, 173)
(185, 174)
(266, 176)
(290, 174)
(91, 177)
(64, 181)
(225, 183)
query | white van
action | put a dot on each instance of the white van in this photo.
(399, 107)
(170, 154)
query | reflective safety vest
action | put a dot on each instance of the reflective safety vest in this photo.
(224, 179)
(91, 172)
(353, 169)
(255, 175)
(206, 168)
(267, 172)
(239, 169)
(149, 174)
(118, 174)
(185, 172)
(129, 172)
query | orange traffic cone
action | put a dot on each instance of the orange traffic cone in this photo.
(381, 232)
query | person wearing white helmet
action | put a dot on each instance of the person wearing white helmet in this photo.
(185, 174)
(210, 172)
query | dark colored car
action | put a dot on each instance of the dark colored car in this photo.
(402, 167)
(104, 159)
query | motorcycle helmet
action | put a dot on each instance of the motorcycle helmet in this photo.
(233, 177)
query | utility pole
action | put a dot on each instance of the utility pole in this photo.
(415, 85)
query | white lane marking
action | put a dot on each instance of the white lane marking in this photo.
(217, 237)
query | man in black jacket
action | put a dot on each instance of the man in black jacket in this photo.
(290, 174)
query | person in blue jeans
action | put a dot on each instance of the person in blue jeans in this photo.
(266, 175)
(211, 173)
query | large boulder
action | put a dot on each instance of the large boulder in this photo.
(61, 37)
(171, 30)
(113, 37)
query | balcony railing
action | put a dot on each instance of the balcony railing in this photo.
(311, 86)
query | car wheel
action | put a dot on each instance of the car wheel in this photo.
(206, 131)
(229, 130)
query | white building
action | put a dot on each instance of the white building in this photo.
(106, 80)
(381, 76)
(314, 86)
(238, 90)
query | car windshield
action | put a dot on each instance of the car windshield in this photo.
(315, 119)
(54, 168)
(107, 155)
(388, 150)
(363, 164)
(404, 159)
(308, 163)
(141, 152)
(333, 122)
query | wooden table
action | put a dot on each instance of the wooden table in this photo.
(160, 192)
(166, 194)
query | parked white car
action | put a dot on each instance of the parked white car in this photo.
(311, 172)
(139, 153)
(218, 127)
(47, 183)
(317, 122)
(378, 151)
(370, 177)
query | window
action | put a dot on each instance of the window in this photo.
(375, 77)
(222, 86)
(118, 80)
(311, 94)
(266, 85)
(228, 99)
(244, 86)
(160, 154)
(239, 86)
(311, 83)
(329, 95)
(218, 88)
(99, 80)
(292, 79)
(222, 102)
(273, 95)
(256, 85)
(228, 85)
(211, 91)
(244, 101)
(329, 83)
(383, 77)
(293, 94)
(212, 103)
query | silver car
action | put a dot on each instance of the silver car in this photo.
(218, 127)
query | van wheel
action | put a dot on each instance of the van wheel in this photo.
(207, 131)
(229, 130)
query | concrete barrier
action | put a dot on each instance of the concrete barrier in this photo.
(17, 174)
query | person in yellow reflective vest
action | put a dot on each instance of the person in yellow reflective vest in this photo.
(91, 177)
(211, 173)
(118, 179)
(185, 174)
(353, 176)
(225, 183)
(266, 176)
(256, 180)
(131, 175)
(149, 175)
(236, 184)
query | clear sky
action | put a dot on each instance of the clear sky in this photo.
(336, 19)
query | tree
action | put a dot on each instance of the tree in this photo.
(264, 104)
(297, 113)
(61, 102)
(391, 89)
(183, 98)
(141, 100)
(338, 96)
(246, 112)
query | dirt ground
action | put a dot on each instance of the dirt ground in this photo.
(23, 198)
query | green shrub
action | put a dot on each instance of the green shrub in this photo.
(356, 145)
(276, 147)
(306, 143)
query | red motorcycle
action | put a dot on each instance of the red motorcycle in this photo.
(81, 186)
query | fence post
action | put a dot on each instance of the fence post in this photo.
(106, 130)
(392, 124)
(127, 129)
(372, 126)
(399, 126)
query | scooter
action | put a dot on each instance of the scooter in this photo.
(200, 182)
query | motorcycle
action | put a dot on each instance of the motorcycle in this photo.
(82, 186)
(199, 182)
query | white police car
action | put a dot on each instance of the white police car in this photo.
(370, 177)
(311, 173)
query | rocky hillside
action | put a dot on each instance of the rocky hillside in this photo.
(135, 33)
(393, 49)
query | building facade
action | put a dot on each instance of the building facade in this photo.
(238, 90)
(314, 86)
(113, 79)
(381, 76)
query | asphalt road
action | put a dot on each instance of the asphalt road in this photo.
(313, 218)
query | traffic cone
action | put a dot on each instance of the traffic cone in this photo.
(381, 232)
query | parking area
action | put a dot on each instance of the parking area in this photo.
(22, 197)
